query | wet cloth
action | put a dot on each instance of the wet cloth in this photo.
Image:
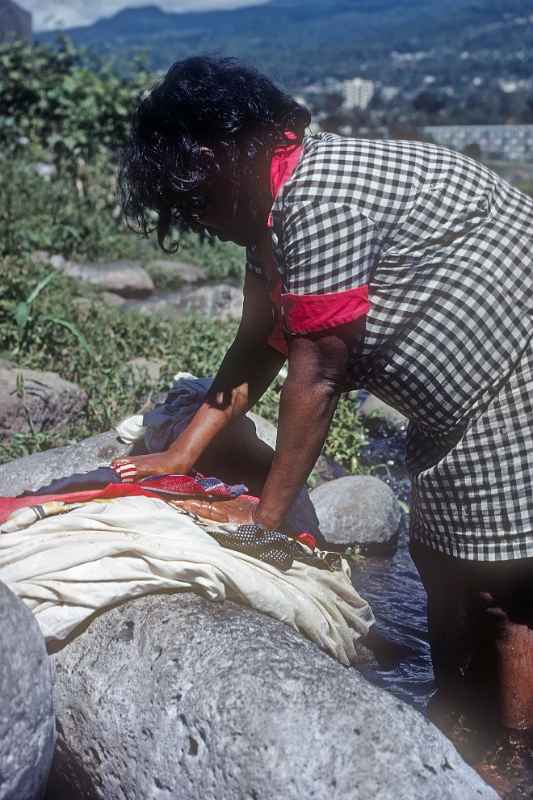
(195, 484)
(434, 252)
(71, 566)
(103, 483)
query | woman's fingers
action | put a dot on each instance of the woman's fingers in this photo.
(125, 469)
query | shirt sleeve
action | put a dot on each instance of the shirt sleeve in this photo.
(327, 253)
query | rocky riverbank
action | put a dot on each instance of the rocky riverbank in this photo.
(172, 695)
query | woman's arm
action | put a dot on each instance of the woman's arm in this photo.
(248, 368)
(317, 376)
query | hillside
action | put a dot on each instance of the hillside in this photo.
(298, 41)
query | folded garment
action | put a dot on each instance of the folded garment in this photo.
(72, 566)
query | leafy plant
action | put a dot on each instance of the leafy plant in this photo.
(24, 317)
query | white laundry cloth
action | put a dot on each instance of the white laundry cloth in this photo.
(67, 567)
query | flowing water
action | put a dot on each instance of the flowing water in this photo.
(392, 585)
(394, 590)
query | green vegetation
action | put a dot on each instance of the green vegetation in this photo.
(47, 320)
(91, 346)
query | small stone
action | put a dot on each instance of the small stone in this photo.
(32, 400)
(359, 510)
(84, 307)
(112, 299)
(144, 370)
(27, 724)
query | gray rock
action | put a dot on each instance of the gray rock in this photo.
(143, 370)
(264, 429)
(218, 301)
(84, 307)
(373, 405)
(27, 727)
(112, 299)
(31, 472)
(35, 400)
(181, 270)
(124, 278)
(358, 509)
(176, 697)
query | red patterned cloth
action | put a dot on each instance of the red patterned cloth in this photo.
(165, 485)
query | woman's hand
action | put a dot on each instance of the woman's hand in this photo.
(134, 468)
(238, 509)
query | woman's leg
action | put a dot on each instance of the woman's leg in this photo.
(449, 619)
(480, 624)
(505, 592)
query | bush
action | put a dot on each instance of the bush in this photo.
(51, 98)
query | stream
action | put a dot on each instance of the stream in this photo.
(396, 594)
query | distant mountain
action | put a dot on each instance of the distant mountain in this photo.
(299, 41)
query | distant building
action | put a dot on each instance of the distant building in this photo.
(15, 22)
(507, 142)
(357, 93)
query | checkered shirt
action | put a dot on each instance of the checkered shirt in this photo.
(446, 249)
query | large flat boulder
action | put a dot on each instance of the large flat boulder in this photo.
(176, 697)
(31, 472)
(33, 400)
(359, 510)
(27, 726)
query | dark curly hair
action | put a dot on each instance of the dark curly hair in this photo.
(209, 120)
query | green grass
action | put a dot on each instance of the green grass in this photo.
(94, 343)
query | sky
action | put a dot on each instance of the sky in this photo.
(48, 14)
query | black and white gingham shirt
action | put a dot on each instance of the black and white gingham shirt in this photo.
(446, 249)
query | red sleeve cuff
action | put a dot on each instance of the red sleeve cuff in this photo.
(315, 312)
